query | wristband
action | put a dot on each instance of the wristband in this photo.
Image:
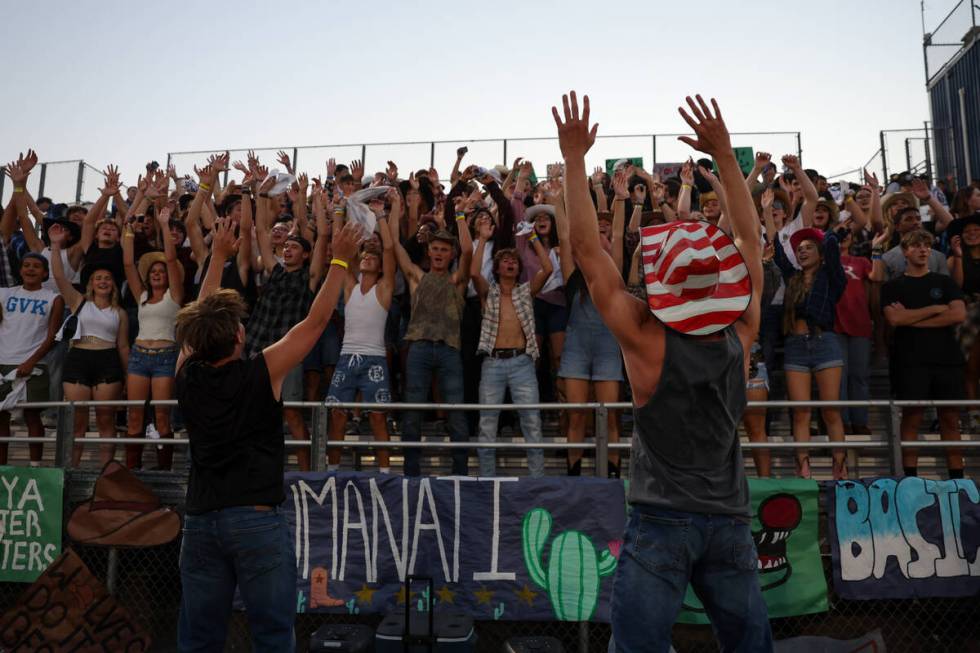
(876, 257)
(204, 186)
(342, 263)
(533, 238)
(460, 216)
(18, 189)
(687, 186)
(339, 211)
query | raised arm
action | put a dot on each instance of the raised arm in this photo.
(620, 183)
(484, 232)
(175, 271)
(245, 228)
(72, 297)
(877, 219)
(941, 214)
(503, 238)
(809, 191)
(224, 245)
(684, 194)
(386, 285)
(19, 171)
(129, 263)
(565, 258)
(461, 276)
(96, 213)
(299, 207)
(454, 175)
(767, 220)
(287, 353)
(713, 139)
(879, 271)
(263, 226)
(541, 277)
(762, 159)
(412, 272)
(621, 312)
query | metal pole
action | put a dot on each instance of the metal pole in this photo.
(505, 151)
(432, 159)
(653, 150)
(583, 637)
(601, 442)
(364, 155)
(79, 180)
(894, 440)
(319, 437)
(40, 181)
(2, 178)
(227, 170)
(65, 433)
(296, 159)
(965, 132)
(908, 154)
(799, 148)
(884, 160)
(112, 572)
(925, 128)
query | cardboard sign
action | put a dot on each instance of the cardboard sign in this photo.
(30, 521)
(68, 609)
(745, 157)
(667, 170)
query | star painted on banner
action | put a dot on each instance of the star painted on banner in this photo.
(527, 595)
(365, 595)
(445, 595)
(401, 595)
(483, 596)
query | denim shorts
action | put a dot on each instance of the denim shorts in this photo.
(812, 352)
(152, 362)
(326, 351)
(365, 374)
(591, 353)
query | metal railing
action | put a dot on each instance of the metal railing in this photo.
(320, 441)
(949, 38)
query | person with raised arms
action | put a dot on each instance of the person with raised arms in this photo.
(235, 533)
(685, 354)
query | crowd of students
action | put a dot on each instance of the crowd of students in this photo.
(466, 293)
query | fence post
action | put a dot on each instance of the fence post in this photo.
(2, 178)
(79, 181)
(925, 128)
(908, 153)
(295, 158)
(65, 435)
(602, 441)
(653, 163)
(112, 571)
(894, 440)
(505, 151)
(583, 637)
(40, 181)
(432, 158)
(363, 155)
(799, 148)
(227, 170)
(318, 438)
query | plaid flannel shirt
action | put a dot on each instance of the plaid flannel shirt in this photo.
(828, 284)
(523, 306)
(7, 278)
(285, 301)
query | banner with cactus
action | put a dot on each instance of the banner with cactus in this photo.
(503, 548)
(785, 518)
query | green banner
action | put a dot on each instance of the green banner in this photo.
(635, 160)
(30, 521)
(785, 516)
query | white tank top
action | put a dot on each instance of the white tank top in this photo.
(364, 323)
(157, 321)
(97, 322)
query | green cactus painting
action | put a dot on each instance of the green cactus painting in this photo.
(574, 569)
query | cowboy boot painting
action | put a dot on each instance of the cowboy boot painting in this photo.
(319, 598)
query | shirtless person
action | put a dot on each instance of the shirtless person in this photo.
(688, 490)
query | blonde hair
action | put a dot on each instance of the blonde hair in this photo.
(90, 290)
(209, 327)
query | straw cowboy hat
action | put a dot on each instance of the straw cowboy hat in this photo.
(122, 512)
(697, 281)
(147, 261)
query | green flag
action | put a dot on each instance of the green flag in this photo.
(785, 516)
(30, 521)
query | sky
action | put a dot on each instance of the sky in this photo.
(125, 82)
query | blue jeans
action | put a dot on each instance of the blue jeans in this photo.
(663, 551)
(519, 375)
(237, 546)
(854, 379)
(426, 358)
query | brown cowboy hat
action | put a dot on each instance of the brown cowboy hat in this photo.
(122, 512)
(146, 262)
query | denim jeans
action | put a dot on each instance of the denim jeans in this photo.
(663, 551)
(854, 379)
(426, 358)
(519, 375)
(237, 546)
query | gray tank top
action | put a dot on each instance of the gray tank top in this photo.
(686, 453)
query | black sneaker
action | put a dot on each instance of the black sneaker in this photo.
(576, 469)
(613, 470)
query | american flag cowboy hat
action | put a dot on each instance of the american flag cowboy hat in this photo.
(696, 280)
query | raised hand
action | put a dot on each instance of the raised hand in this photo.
(172, 172)
(712, 134)
(597, 175)
(485, 227)
(687, 173)
(207, 174)
(346, 241)
(331, 167)
(433, 176)
(392, 172)
(767, 198)
(303, 181)
(283, 159)
(619, 184)
(882, 238)
(357, 169)
(659, 192)
(225, 243)
(163, 215)
(956, 246)
(111, 174)
(469, 172)
(58, 236)
(640, 191)
(28, 162)
(20, 170)
(762, 159)
(267, 183)
(461, 152)
(871, 179)
(791, 161)
(920, 189)
(708, 175)
(574, 135)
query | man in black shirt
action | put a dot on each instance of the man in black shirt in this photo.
(234, 532)
(924, 308)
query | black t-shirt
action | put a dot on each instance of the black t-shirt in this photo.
(925, 346)
(234, 424)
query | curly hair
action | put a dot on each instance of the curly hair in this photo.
(209, 327)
